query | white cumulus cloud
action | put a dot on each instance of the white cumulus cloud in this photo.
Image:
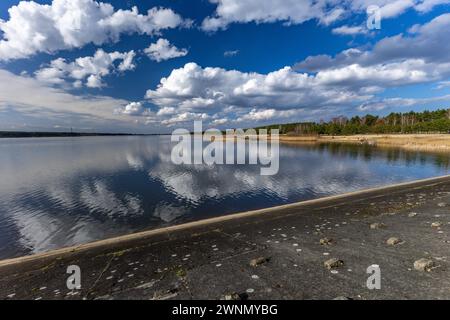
(196, 89)
(299, 11)
(348, 82)
(67, 24)
(349, 30)
(288, 11)
(35, 102)
(88, 70)
(185, 117)
(163, 50)
(427, 43)
(133, 109)
(256, 115)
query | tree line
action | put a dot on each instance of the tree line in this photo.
(411, 122)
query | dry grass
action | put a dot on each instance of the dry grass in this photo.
(419, 142)
(416, 142)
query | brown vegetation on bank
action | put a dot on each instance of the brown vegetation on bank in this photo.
(418, 142)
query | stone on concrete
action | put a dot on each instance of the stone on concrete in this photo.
(393, 241)
(326, 241)
(333, 263)
(258, 261)
(377, 225)
(423, 264)
(436, 224)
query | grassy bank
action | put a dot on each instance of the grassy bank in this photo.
(419, 142)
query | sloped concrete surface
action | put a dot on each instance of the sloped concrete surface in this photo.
(212, 259)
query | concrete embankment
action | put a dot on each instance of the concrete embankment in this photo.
(278, 253)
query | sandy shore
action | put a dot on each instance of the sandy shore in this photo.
(419, 142)
(277, 253)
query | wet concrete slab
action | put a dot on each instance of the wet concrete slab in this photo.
(213, 259)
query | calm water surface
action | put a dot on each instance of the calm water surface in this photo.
(56, 192)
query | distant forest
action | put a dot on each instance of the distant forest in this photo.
(412, 122)
(21, 134)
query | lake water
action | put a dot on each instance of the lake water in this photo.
(57, 192)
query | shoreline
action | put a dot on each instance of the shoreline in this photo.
(23, 134)
(210, 258)
(412, 142)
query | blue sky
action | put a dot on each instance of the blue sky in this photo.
(153, 66)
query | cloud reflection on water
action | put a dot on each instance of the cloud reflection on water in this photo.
(66, 191)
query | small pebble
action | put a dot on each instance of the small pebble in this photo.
(393, 241)
(377, 225)
(424, 265)
(258, 261)
(326, 241)
(436, 224)
(234, 296)
(333, 263)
